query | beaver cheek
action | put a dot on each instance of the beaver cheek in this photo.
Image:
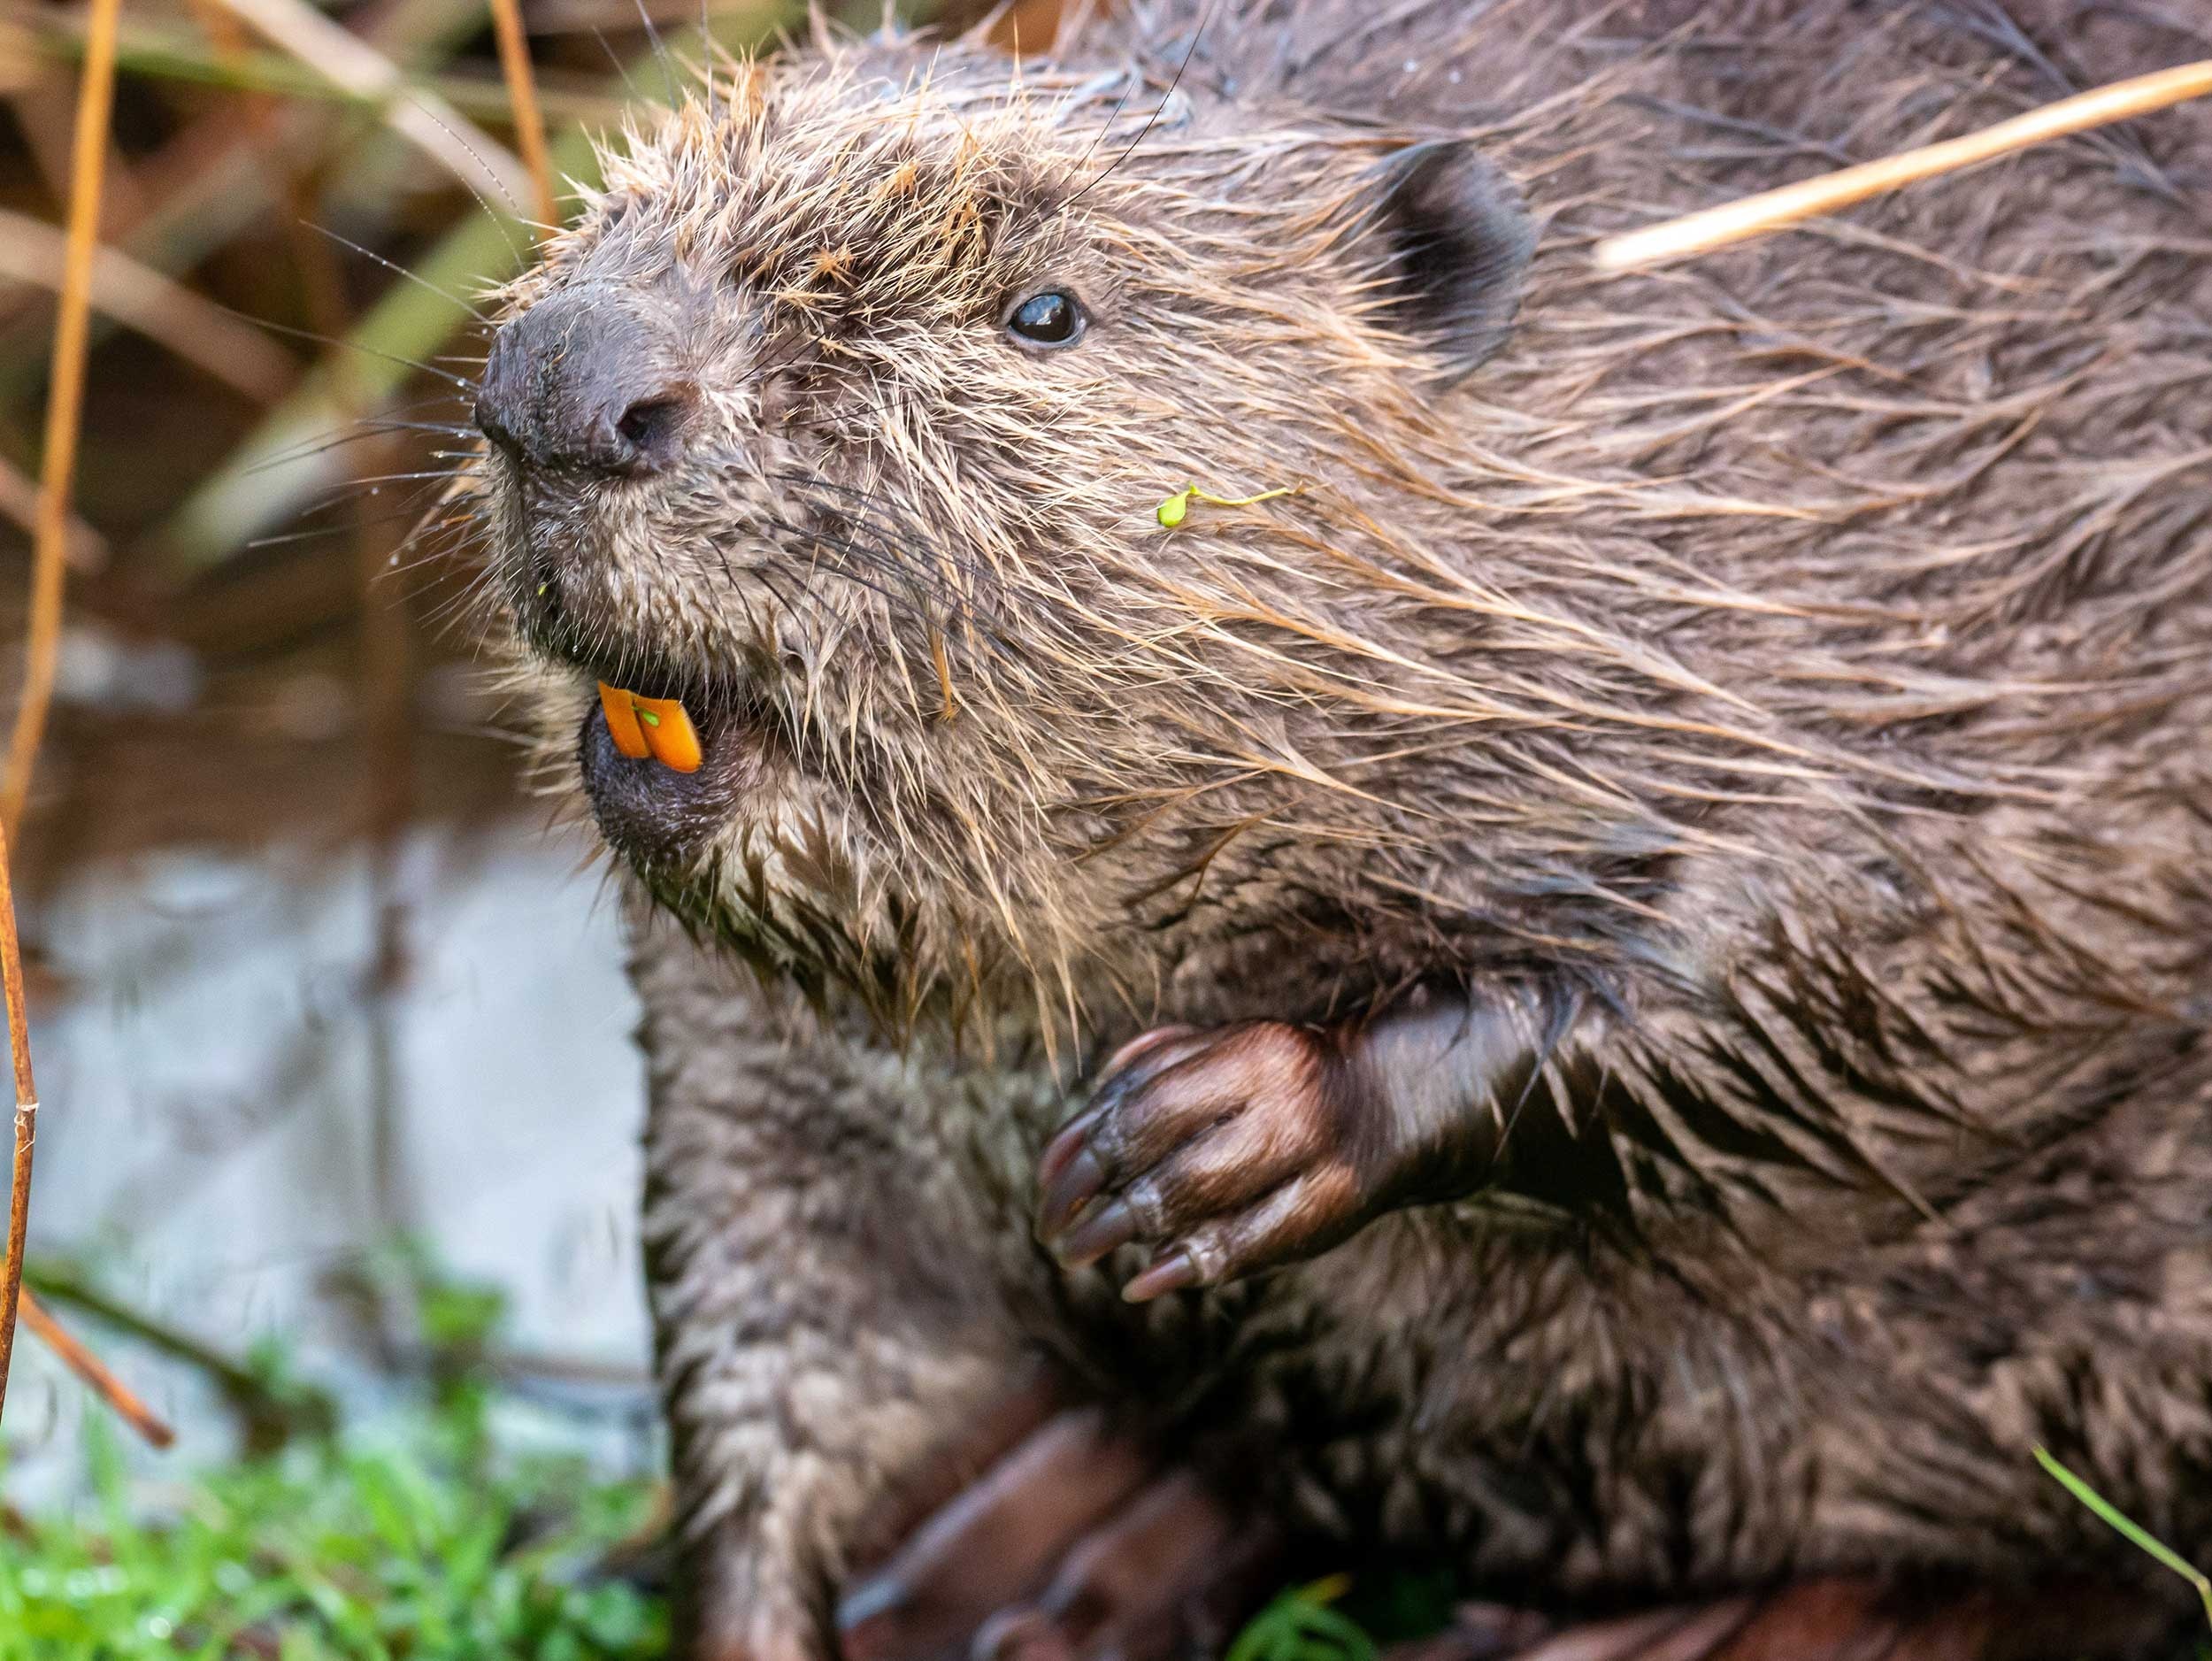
(651, 814)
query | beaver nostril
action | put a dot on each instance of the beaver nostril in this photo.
(581, 383)
(493, 428)
(649, 426)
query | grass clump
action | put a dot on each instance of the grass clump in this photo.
(410, 1540)
(326, 1550)
(1302, 1624)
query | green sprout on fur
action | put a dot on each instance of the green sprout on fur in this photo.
(1170, 511)
(2129, 1529)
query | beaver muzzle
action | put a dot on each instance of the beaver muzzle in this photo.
(664, 774)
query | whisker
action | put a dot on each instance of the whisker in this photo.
(347, 529)
(1136, 80)
(432, 485)
(322, 443)
(396, 269)
(907, 598)
(922, 599)
(660, 51)
(1197, 35)
(977, 572)
(615, 58)
(514, 208)
(461, 382)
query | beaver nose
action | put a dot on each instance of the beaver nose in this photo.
(580, 383)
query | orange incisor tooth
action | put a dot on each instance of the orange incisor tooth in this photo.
(658, 727)
(622, 722)
(669, 733)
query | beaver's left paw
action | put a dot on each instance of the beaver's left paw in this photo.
(1226, 1150)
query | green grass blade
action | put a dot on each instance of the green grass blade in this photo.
(2128, 1528)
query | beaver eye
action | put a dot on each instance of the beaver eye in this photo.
(1050, 319)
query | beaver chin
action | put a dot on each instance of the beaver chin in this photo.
(653, 815)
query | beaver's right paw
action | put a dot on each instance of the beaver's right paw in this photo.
(1227, 1150)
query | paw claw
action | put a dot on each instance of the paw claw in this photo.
(1072, 1139)
(1142, 1042)
(1077, 1183)
(1170, 1273)
(1108, 1228)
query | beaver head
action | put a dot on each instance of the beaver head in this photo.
(845, 415)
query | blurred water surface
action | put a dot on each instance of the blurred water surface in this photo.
(235, 1117)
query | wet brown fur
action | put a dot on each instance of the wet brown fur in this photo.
(1797, 659)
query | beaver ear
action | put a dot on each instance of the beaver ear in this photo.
(1457, 243)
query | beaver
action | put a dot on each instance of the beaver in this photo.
(1593, 970)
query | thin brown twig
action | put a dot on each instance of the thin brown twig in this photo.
(268, 1415)
(522, 94)
(1776, 210)
(64, 401)
(125, 1401)
(26, 1120)
(51, 536)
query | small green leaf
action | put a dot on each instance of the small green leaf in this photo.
(648, 718)
(1172, 510)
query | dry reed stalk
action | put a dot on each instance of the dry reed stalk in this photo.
(118, 1395)
(64, 402)
(1776, 210)
(522, 95)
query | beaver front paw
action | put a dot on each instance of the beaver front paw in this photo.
(1244, 1146)
(1226, 1150)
